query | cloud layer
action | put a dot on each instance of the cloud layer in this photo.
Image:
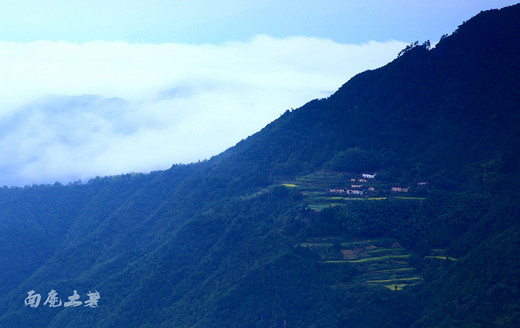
(74, 111)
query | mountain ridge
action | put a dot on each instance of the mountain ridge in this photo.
(423, 68)
(219, 243)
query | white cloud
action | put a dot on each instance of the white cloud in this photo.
(71, 111)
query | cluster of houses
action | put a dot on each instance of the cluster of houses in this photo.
(356, 188)
(346, 191)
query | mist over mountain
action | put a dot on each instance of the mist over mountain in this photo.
(392, 203)
(76, 111)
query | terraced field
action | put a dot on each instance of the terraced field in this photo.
(378, 262)
(439, 254)
(316, 188)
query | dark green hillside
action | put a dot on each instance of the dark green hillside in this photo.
(392, 203)
(429, 113)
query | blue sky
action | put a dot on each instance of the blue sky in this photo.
(202, 21)
(109, 87)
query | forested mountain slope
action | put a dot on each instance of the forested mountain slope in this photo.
(284, 230)
(423, 105)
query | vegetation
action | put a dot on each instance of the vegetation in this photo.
(262, 236)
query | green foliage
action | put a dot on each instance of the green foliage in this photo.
(355, 160)
(215, 243)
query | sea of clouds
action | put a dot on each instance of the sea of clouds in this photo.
(75, 111)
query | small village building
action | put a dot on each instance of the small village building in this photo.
(400, 189)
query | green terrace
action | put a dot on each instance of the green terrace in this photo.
(323, 189)
(439, 254)
(378, 262)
